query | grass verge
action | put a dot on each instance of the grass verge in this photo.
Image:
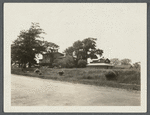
(126, 78)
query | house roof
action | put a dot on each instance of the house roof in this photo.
(100, 60)
(99, 64)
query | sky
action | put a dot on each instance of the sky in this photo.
(120, 28)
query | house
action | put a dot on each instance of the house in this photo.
(107, 60)
(47, 58)
(101, 60)
(100, 64)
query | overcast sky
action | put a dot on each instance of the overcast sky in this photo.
(120, 28)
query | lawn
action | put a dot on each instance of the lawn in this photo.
(126, 78)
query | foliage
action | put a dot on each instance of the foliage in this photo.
(67, 62)
(77, 45)
(111, 75)
(137, 65)
(27, 44)
(59, 63)
(37, 71)
(115, 61)
(126, 78)
(78, 49)
(50, 47)
(69, 50)
(84, 49)
(125, 62)
(82, 63)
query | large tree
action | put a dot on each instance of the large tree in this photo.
(27, 45)
(69, 50)
(84, 49)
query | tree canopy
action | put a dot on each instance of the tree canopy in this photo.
(84, 49)
(69, 50)
(28, 44)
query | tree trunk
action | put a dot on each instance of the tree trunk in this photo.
(29, 65)
(23, 67)
(51, 59)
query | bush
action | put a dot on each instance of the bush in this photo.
(111, 75)
(37, 71)
(67, 62)
(81, 63)
(61, 63)
(137, 66)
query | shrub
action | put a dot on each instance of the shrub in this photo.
(40, 73)
(137, 65)
(67, 62)
(81, 63)
(111, 75)
(54, 64)
(37, 71)
(60, 72)
(61, 63)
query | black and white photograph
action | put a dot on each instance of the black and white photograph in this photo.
(75, 57)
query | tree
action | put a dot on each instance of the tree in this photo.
(69, 50)
(137, 65)
(27, 45)
(125, 61)
(81, 63)
(67, 62)
(84, 49)
(89, 45)
(115, 61)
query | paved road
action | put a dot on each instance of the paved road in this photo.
(29, 91)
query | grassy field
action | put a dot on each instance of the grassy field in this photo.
(126, 78)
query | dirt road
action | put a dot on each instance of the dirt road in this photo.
(29, 91)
